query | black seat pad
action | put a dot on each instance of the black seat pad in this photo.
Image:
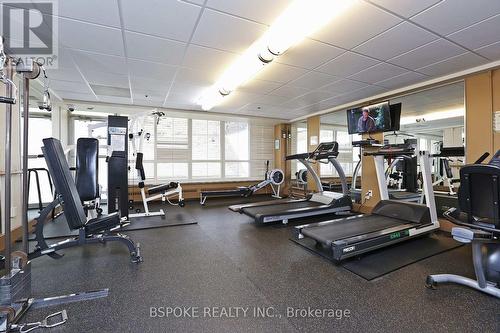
(103, 223)
(162, 188)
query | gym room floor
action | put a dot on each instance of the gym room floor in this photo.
(226, 260)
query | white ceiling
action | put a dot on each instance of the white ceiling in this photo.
(171, 50)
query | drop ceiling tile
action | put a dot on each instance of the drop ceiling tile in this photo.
(205, 58)
(452, 15)
(107, 79)
(182, 98)
(478, 35)
(358, 24)
(151, 99)
(406, 8)
(289, 91)
(88, 61)
(115, 100)
(270, 99)
(344, 86)
(196, 77)
(402, 80)
(90, 37)
(309, 54)
(260, 86)
(316, 96)
(151, 69)
(395, 41)
(377, 73)
(66, 95)
(454, 64)
(262, 11)
(169, 19)
(280, 73)
(188, 89)
(65, 58)
(140, 83)
(427, 54)
(237, 99)
(65, 74)
(144, 47)
(491, 51)
(226, 32)
(79, 87)
(103, 12)
(313, 80)
(347, 64)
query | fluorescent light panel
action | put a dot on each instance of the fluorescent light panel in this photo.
(301, 19)
(439, 115)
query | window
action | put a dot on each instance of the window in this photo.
(261, 149)
(299, 145)
(40, 128)
(172, 149)
(82, 128)
(184, 149)
(206, 147)
(236, 141)
(348, 156)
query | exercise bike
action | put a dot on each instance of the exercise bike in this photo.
(478, 223)
(273, 178)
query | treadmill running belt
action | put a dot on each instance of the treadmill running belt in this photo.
(279, 208)
(341, 229)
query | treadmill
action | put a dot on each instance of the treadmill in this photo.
(321, 203)
(409, 194)
(391, 221)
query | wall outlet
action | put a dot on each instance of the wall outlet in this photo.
(13, 212)
(368, 195)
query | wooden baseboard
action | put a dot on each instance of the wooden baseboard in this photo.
(16, 234)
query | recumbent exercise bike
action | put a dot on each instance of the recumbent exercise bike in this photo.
(478, 223)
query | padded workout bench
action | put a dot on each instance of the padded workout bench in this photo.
(97, 230)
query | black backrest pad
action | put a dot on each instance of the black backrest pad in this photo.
(480, 191)
(64, 183)
(86, 179)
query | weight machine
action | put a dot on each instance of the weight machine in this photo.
(15, 292)
(163, 192)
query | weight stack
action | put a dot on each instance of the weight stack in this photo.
(16, 287)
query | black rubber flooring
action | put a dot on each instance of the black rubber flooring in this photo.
(227, 260)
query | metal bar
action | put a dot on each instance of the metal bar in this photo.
(26, 102)
(70, 298)
(382, 183)
(8, 172)
(313, 174)
(428, 189)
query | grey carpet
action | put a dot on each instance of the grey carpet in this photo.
(227, 260)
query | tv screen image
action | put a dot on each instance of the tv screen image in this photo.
(369, 119)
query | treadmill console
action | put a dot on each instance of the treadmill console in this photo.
(394, 149)
(325, 150)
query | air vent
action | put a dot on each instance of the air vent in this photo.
(110, 91)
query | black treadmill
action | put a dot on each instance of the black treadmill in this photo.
(323, 202)
(390, 222)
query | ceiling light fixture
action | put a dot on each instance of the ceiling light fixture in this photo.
(301, 19)
(439, 115)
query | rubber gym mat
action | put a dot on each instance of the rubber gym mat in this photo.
(58, 228)
(386, 260)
